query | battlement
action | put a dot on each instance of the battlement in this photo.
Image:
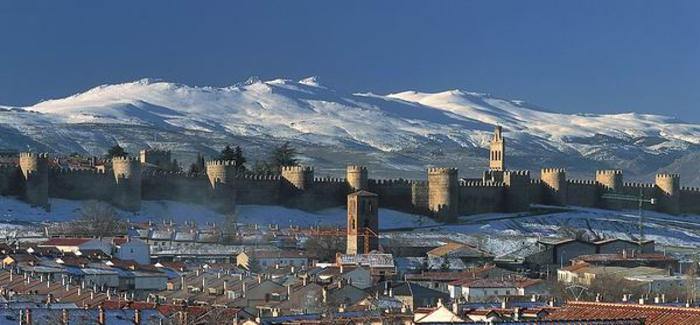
(329, 180)
(74, 171)
(118, 159)
(553, 170)
(389, 181)
(442, 170)
(517, 172)
(690, 189)
(356, 168)
(638, 185)
(581, 181)
(297, 169)
(670, 176)
(33, 155)
(479, 183)
(258, 177)
(219, 162)
(608, 172)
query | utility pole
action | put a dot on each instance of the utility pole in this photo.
(640, 201)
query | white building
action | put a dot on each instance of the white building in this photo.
(132, 249)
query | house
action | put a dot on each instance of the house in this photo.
(72, 245)
(618, 245)
(438, 315)
(439, 280)
(546, 254)
(662, 284)
(487, 288)
(647, 314)
(468, 254)
(131, 249)
(357, 276)
(409, 294)
(585, 274)
(630, 259)
(380, 265)
(272, 258)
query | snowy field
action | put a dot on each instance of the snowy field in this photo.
(494, 232)
(13, 211)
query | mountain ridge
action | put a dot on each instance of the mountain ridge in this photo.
(405, 130)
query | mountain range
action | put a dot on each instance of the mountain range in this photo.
(396, 135)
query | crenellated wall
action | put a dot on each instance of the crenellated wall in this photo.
(394, 193)
(582, 193)
(441, 194)
(81, 184)
(480, 197)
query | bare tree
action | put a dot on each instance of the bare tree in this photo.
(98, 219)
(324, 248)
(691, 286)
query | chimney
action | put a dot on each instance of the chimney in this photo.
(259, 279)
(244, 288)
(663, 298)
(504, 305)
(28, 316)
(455, 308)
(341, 268)
(597, 297)
(182, 282)
(289, 291)
(225, 285)
(391, 292)
(303, 280)
(64, 317)
(325, 295)
(137, 316)
(641, 300)
(657, 300)
(516, 314)
(100, 315)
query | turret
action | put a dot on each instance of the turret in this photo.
(443, 193)
(127, 175)
(554, 182)
(299, 178)
(609, 180)
(668, 190)
(517, 184)
(35, 173)
(356, 177)
(221, 174)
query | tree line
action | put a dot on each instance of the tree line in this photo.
(282, 155)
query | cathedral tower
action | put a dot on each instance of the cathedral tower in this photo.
(498, 150)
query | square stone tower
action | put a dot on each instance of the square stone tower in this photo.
(363, 223)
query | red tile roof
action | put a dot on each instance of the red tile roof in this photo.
(651, 314)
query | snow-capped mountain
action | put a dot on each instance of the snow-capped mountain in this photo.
(396, 134)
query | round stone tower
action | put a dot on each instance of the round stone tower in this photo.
(221, 174)
(554, 182)
(299, 177)
(127, 174)
(668, 190)
(356, 177)
(35, 173)
(443, 192)
(609, 179)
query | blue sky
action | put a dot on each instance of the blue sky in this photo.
(568, 56)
